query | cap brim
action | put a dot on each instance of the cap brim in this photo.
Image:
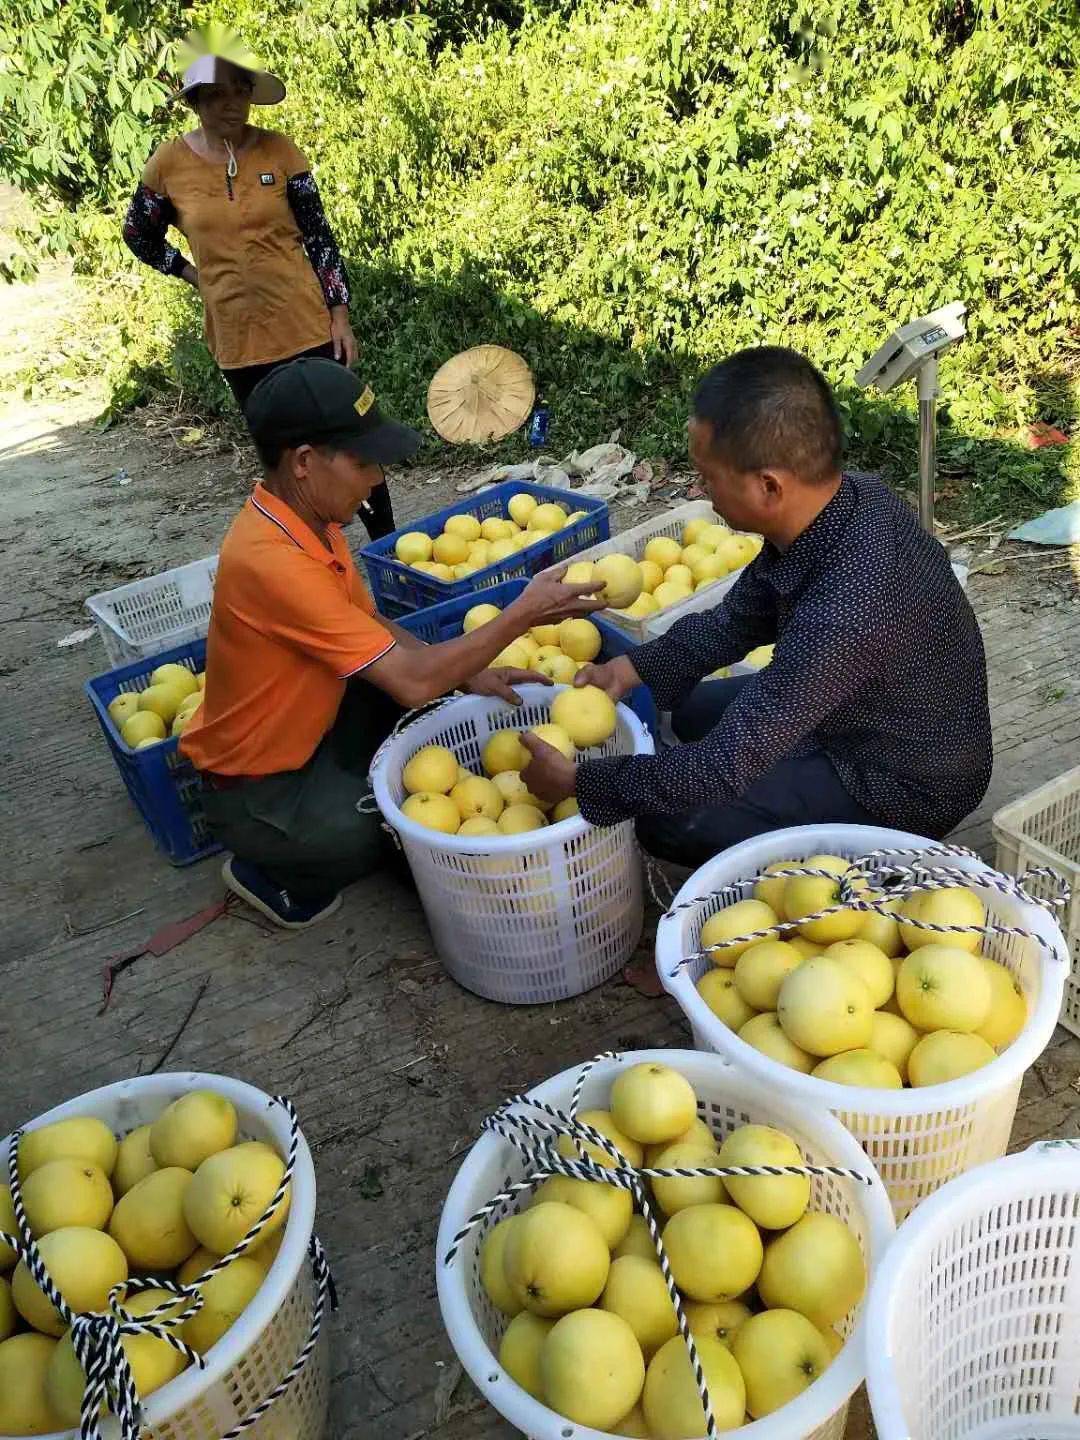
(388, 444)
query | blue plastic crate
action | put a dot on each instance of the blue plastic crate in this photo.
(164, 786)
(400, 590)
(443, 622)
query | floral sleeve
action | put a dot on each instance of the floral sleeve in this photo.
(318, 238)
(145, 228)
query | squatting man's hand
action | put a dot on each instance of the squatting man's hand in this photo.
(499, 682)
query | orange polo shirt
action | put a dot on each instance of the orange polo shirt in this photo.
(291, 622)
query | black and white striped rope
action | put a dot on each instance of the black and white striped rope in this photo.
(533, 1128)
(97, 1338)
(872, 888)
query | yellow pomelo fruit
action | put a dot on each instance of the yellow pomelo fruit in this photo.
(729, 549)
(495, 528)
(24, 1405)
(863, 1067)
(772, 1201)
(651, 575)
(9, 1226)
(662, 550)
(694, 529)
(546, 652)
(513, 789)
(558, 668)
(761, 969)
(545, 635)
(770, 888)
(517, 819)
(780, 1353)
(436, 812)
(942, 907)
(433, 769)
(179, 725)
(148, 1223)
(479, 615)
(134, 1161)
(428, 567)
(602, 1121)
(717, 1321)
(652, 1103)
(153, 1362)
(555, 736)
(759, 657)
(1008, 1008)
(675, 1194)
(477, 796)
(714, 1251)
(873, 967)
(200, 679)
(547, 516)
(178, 676)
(669, 593)
(192, 1128)
(412, 547)
(502, 549)
(717, 988)
(519, 1351)
(692, 554)
(478, 825)
(529, 645)
(81, 1138)
(587, 715)
(824, 1007)
(765, 1034)
(680, 575)
(637, 1241)
(229, 1193)
(834, 1342)
(592, 1368)
(151, 740)
(633, 1426)
(710, 568)
(881, 930)
(63, 1193)
(894, 1038)
(504, 751)
(816, 1268)
(637, 1292)
(940, 987)
(142, 727)
(807, 894)
(696, 1133)
(622, 580)
(745, 917)
(578, 572)
(493, 1269)
(608, 1206)
(580, 639)
(227, 1295)
(565, 810)
(521, 506)
(467, 526)
(450, 550)
(805, 947)
(122, 708)
(202, 1259)
(712, 535)
(670, 1398)
(160, 700)
(946, 1055)
(84, 1266)
(556, 1259)
(9, 1316)
(645, 604)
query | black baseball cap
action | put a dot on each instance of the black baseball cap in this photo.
(319, 402)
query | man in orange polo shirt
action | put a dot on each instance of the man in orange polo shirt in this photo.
(303, 679)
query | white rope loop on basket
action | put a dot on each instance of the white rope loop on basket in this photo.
(97, 1338)
(535, 1137)
(877, 872)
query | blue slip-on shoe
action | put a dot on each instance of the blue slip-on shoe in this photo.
(279, 907)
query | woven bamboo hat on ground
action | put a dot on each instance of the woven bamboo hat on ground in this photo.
(480, 395)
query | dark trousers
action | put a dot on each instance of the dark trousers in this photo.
(803, 790)
(301, 828)
(377, 512)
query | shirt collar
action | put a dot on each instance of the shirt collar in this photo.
(789, 568)
(301, 534)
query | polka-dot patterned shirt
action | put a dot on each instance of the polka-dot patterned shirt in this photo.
(879, 663)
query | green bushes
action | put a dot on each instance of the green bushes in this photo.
(624, 191)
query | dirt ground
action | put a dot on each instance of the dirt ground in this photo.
(391, 1066)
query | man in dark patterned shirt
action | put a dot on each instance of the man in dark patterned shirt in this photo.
(874, 708)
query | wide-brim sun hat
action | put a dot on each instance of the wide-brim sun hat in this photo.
(266, 89)
(480, 395)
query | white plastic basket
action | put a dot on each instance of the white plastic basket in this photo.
(975, 1312)
(918, 1138)
(633, 542)
(1044, 829)
(155, 614)
(524, 919)
(727, 1100)
(259, 1349)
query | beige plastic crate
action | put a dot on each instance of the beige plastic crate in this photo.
(633, 542)
(1044, 829)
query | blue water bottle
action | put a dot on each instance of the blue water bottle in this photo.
(538, 425)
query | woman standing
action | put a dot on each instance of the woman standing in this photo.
(264, 259)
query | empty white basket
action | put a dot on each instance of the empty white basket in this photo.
(727, 1099)
(259, 1349)
(520, 918)
(152, 615)
(919, 1138)
(973, 1319)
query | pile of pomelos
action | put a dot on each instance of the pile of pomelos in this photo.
(146, 717)
(857, 998)
(764, 1280)
(467, 544)
(166, 1200)
(443, 795)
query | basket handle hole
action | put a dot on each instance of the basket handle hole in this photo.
(492, 1379)
(567, 1434)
